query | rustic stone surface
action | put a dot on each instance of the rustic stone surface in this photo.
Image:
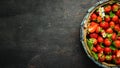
(42, 34)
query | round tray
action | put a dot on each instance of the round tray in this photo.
(83, 31)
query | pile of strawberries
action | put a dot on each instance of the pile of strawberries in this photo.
(103, 34)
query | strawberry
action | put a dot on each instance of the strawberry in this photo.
(118, 54)
(94, 41)
(108, 57)
(93, 35)
(117, 28)
(114, 52)
(97, 12)
(107, 42)
(119, 21)
(115, 7)
(100, 39)
(113, 57)
(104, 25)
(112, 24)
(117, 61)
(107, 50)
(92, 23)
(98, 29)
(118, 13)
(99, 48)
(107, 8)
(118, 37)
(113, 36)
(92, 28)
(107, 18)
(94, 49)
(99, 19)
(101, 57)
(93, 17)
(109, 30)
(115, 18)
(117, 43)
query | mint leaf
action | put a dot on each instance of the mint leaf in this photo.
(95, 55)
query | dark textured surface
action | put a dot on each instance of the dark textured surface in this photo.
(42, 34)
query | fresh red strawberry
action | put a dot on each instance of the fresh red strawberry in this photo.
(92, 23)
(107, 8)
(107, 50)
(109, 30)
(113, 57)
(114, 52)
(99, 19)
(117, 61)
(107, 18)
(117, 27)
(100, 39)
(93, 35)
(112, 24)
(94, 41)
(92, 28)
(93, 17)
(96, 12)
(100, 54)
(99, 48)
(98, 29)
(118, 13)
(117, 43)
(113, 36)
(115, 18)
(119, 21)
(101, 57)
(104, 25)
(94, 49)
(115, 7)
(118, 54)
(107, 42)
(118, 37)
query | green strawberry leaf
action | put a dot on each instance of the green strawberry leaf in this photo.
(118, 34)
(113, 47)
(108, 57)
(102, 45)
(115, 9)
(100, 30)
(96, 10)
(109, 35)
(106, 16)
(111, 14)
(95, 55)
(90, 43)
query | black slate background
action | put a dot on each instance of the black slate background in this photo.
(42, 34)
